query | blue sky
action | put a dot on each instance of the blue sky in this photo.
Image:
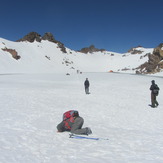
(114, 25)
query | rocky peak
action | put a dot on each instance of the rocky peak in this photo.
(135, 50)
(31, 37)
(158, 51)
(48, 36)
(155, 61)
(34, 36)
(90, 49)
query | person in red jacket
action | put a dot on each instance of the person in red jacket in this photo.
(74, 125)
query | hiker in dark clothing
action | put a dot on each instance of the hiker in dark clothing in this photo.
(86, 84)
(154, 92)
(75, 126)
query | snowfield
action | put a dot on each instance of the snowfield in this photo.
(32, 105)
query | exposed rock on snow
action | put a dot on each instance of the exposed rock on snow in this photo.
(135, 50)
(154, 63)
(31, 37)
(34, 36)
(91, 49)
(13, 52)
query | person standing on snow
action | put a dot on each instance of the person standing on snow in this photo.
(86, 84)
(154, 92)
(74, 125)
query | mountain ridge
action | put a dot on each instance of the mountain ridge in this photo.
(49, 55)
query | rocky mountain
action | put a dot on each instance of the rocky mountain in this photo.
(34, 36)
(35, 53)
(154, 63)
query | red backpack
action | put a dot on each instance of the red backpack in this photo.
(68, 118)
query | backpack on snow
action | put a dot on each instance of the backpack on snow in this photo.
(68, 118)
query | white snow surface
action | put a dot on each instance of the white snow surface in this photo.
(32, 105)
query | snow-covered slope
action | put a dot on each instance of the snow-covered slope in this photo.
(117, 109)
(45, 56)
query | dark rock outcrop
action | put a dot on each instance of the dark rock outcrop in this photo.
(49, 36)
(159, 51)
(154, 63)
(135, 50)
(33, 36)
(13, 52)
(90, 49)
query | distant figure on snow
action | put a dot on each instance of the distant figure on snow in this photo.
(86, 84)
(154, 92)
(73, 122)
